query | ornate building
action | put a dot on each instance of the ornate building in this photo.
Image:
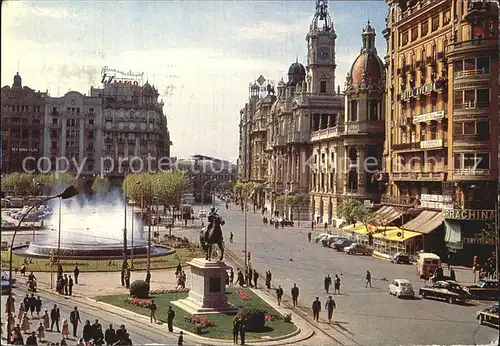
(134, 125)
(73, 134)
(22, 126)
(442, 123)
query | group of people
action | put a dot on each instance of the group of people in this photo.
(64, 282)
(238, 330)
(180, 276)
(249, 278)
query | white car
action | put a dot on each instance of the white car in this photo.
(320, 237)
(202, 213)
(401, 288)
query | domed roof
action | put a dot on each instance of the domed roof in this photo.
(369, 66)
(368, 28)
(296, 73)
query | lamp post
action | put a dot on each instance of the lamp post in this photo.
(69, 192)
(202, 194)
(132, 234)
(246, 231)
(124, 224)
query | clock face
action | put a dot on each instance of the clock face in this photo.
(323, 52)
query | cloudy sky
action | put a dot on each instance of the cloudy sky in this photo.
(201, 55)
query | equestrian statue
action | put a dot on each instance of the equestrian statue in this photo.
(213, 235)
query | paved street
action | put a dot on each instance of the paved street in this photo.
(365, 316)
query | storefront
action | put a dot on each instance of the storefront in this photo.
(386, 240)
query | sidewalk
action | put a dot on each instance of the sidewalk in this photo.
(97, 284)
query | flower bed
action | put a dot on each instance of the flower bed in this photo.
(167, 291)
(243, 295)
(268, 317)
(202, 322)
(143, 303)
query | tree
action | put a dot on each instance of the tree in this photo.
(244, 190)
(55, 181)
(354, 211)
(100, 184)
(21, 184)
(169, 187)
(299, 202)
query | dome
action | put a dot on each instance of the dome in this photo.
(296, 73)
(368, 29)
(367, 65)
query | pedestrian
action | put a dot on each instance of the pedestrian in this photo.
(40, 332)
(255, 278)
(74, 319)
(309, 236)
(170, 319)
(242, 333)
(236, 329)
(25, 323)
(368, 279)
(226, 278)
(46, 319)
(452, 274)
(180, 340)
(110, 336)
(316, 308)
(148, 277)
(268, 279)
(231, 276)
(152, 311)
(241, 279)
(32, 304)
(88, 332)
(20, 311)
(26, 305)
(295, 294)
(55, 316)
(38, 306)
(231, 237)
(249, 279)
(31, 340)
(10, 305)
(330, 306)
(66, 282)
(70, 286)
(279, 294)
(127, 277)
(122, 276)
(178, 269)
(328, 283)
(65, 329)
(336, 285)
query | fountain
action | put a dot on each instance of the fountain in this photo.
(92, 229)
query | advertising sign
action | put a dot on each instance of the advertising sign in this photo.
(469, 214)
(422, 118)
(120, 78)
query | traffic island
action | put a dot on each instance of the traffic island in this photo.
(213, 326)
(171, 260)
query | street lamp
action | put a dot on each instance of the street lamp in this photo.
(69, 192)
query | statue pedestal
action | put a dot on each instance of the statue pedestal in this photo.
(207, 294)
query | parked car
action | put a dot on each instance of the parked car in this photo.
(320, 237)
(357, 248)
(6, 282)
(451, 291)
(489, 315)
(484, 289)
(341, 244)
(401, 288)
(400, 257)
(329, 240)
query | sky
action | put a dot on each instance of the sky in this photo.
(200, 55)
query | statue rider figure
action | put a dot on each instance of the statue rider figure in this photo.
(213, 234)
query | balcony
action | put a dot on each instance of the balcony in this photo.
(405, 201)
(364, 127)
(90, 126)
(471, 108)
(418, 176)
(55, 126)
(472, 46)
(325, 134)
(473, 73)
(406, 146)
(470, 138)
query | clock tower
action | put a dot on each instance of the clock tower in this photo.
(321, 52)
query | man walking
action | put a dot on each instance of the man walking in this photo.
(368, 279)
(231, 237)
(268, 279)
(316, 308)
(152, 311)
(127, 277)
(309, 235)
(328, 283)
(70, 285)
(255, 278)
(76, 272)
(330, 306)
(231, 277)
(55, 316)
(74, 319)
(279, 294)
(236, 330)
(170, 319)
(148, 277)
(336, 285)
(295, 294)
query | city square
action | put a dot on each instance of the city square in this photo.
(303, 173)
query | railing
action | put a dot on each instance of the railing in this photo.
(55, 126)
(398, 200)
(480, 43)
(426, 176)
(466, 138)
(471, 172)
(406, 146)
(327, 133)
(471, 105)
(469, 73)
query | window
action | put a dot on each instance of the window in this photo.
(483, 63)
(483, 97)
(471, 161)
(53, 133)
(91, 121)
(68, 122)
(433, 130)
(483, 161)
(425, 28)
(53, 145)
(403, 137)
(373, 110)
(91, 111)
(354, 110)
(435, 23)
(404, 38)
(414, 33)
(322, 87)
(422, 132)
(458, 128)
(54, 121)
(470, 64)
(469, 128)
(483, 129)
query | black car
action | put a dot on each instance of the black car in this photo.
(451, 291)
(339, 245)
(400, 257)
(489, 315)
(484, 289)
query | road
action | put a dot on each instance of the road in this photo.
(365, 316)
(140, 334)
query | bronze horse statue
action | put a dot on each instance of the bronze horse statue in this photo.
(213, 235)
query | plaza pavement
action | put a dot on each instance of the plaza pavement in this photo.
(366, 316)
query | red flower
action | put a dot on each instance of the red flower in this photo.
(243, 295)
(144, 303)
(268, 317)
(203, 322)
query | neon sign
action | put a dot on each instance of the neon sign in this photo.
(120, 78)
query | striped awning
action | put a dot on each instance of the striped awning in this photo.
(385, 215)
(426, 222)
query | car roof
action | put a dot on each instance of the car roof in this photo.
(406, 281)
(428, 255)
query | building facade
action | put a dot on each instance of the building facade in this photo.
(22, 127)
(442, 117)
(134, 129)
(73, 137)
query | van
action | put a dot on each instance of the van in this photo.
(427, 264)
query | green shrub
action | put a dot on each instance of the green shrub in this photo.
(139, 289)
(253, 319)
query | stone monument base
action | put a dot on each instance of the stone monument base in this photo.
(207, 294)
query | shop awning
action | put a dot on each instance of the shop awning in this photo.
(386, 215)
(386, 233)
(426, 222)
